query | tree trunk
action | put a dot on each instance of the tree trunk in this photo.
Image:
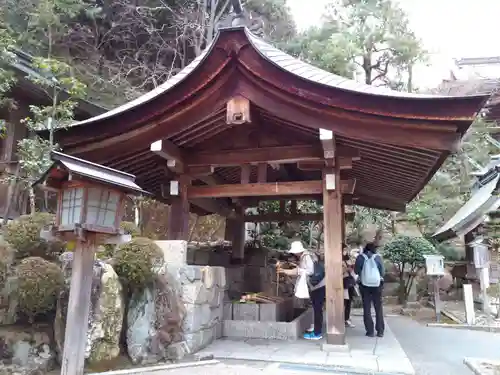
(367, 62)
(11, 193)
(32, 198)
(410, 78)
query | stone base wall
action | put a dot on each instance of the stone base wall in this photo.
(253, 275)
(201, 291)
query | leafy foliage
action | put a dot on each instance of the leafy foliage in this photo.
(130, 228)
(407, 255)
(450, 188)
(39, 284)
(134, 262)
(5, 262)
(408, 250)
(23, 234)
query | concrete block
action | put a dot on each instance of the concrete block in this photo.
(174, 252)
(245, 311)
(228, 311)
(267, 330)
(190, 274)
(202, 257)
(190, 256)
(208, 277)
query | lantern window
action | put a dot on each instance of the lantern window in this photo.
(102, 207)
(72, 203)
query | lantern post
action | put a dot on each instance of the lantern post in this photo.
(434, 266)
(90, 205)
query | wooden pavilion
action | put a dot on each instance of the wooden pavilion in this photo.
(246, 122)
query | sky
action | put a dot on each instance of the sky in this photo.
(448, 29)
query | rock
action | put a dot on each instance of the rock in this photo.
(103, 339)
(154, 320)
(106, 313)
(179, 315)
(25, 352)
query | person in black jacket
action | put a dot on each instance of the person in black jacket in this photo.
(370, 293)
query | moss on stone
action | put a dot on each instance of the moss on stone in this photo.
(110, 319)
(39, 284)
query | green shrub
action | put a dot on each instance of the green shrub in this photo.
(5, 262)
(39, 284)
(134, 262)
(130, 228)
(23, 234)
(407, 254)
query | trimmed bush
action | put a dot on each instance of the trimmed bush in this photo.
(5, 262)
(130, 228)
(23, 234)
(39, 284)
(134, 262)
(407, 253)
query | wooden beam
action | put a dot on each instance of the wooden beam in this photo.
(317, 165)
(200, 171)
(271, 155)
(285, 154)
(328, 142)
(283, 207)
(246, 170)
(276, 217)
(262, 172)
(213, 206)
(239, 235)
(258, 189)
(263, 189)
(332, 212)
(167, 150)
(178, 217)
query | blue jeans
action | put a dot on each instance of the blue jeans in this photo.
(318, 301)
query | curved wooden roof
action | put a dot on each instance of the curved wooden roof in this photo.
(402, 138)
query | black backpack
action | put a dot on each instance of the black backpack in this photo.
(318, 274)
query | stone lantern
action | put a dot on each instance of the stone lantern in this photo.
(90, 205)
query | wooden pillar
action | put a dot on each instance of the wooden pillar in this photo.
(342, 212)
(77, 317)
(229, 229)
(332, 216)
(178, 218)
(238, 228)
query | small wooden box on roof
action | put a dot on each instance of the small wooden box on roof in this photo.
(90, 197)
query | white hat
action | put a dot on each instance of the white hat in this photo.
(296, 248)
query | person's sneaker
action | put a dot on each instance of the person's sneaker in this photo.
(310, 329)
(313, 336)
(380, 334)
(349, 324)
(370, 334)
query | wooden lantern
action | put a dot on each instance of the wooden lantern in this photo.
(91, 197)
(238, 111)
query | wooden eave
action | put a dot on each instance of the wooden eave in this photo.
(402, 138)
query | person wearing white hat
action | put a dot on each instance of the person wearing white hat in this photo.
(312, 268)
